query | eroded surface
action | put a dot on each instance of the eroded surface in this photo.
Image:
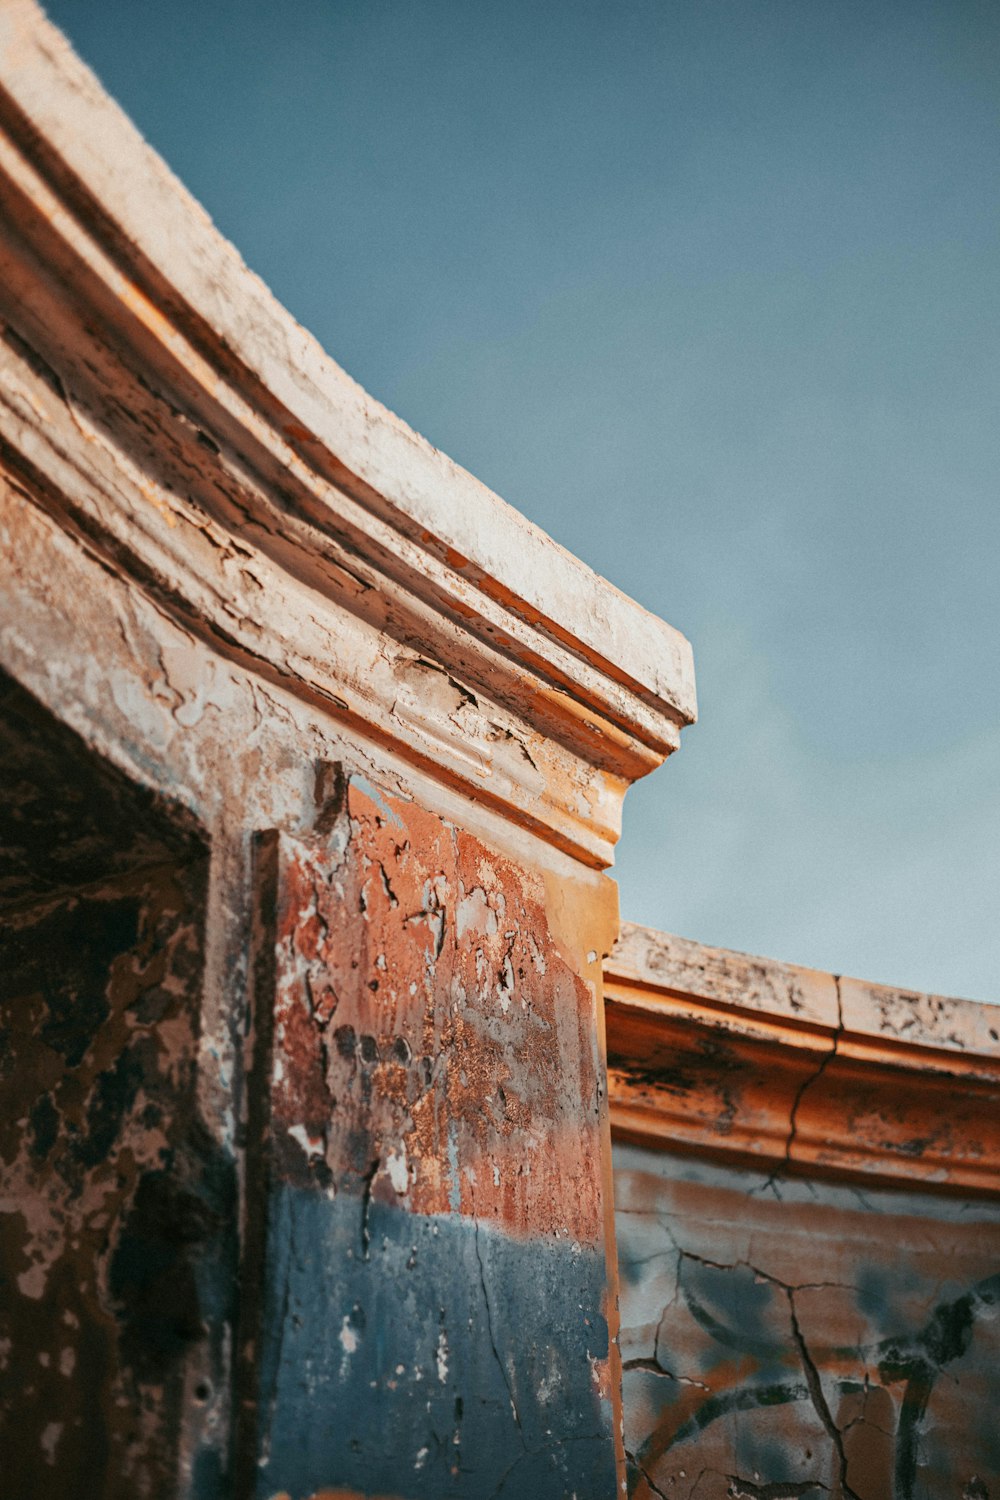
(785, 1338)
(433, 1268)
(115, 1212)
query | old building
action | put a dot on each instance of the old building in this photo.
(313, 755)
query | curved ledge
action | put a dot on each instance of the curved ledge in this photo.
(241, 478)
(751, 1060)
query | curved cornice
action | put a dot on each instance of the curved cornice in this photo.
(760, 1062)
(165, 406)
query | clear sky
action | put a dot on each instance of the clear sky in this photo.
(711, 291)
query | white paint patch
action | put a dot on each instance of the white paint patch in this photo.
(50, 1440)
(455, 1190)
(398, 1170)
(474, 914)
(31, 1283)
(349, 1341)
(311, 1145)
(442, 1357)
(537, 956)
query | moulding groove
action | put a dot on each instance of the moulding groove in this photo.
(174, 281)
(693, 1070)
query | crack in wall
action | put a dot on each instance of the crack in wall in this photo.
(746, 1489)
(807, 1083)
(633, 1459)
(818, 1398)
(815, 1077)
(493, 1343)
(653, 1366)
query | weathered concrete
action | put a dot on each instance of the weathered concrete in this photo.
(430, 1171)
(251, 593)
(313, 759)
(804, 1338)
(807, 1185)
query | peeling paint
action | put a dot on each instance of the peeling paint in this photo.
(460, 1133)
(111, 1199)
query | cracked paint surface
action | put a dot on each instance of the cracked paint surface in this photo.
(786, 1337)
(431, 1218)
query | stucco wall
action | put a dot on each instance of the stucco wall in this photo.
(401, 722)
(117, 1214)
(807, 1197)
(802, 1337)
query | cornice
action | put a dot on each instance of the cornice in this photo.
(753, 1061)
(160, 403)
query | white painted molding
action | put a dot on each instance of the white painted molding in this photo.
(171, 413)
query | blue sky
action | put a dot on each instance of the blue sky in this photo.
(711, 291)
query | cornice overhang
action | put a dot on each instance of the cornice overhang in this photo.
(762, 1063)
(161, 404)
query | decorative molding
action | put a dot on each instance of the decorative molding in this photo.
(765, 1063)
(160, 403)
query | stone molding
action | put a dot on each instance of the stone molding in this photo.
(239, 477)
(759, 1062)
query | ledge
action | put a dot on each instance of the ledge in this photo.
(165, 407)
(764, 1063)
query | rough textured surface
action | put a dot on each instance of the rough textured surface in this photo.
(800, 1338)
(115, 1210)
(227, 569)
(747, 1059)
(785, 1333)
(185, 280)
(433, 1259)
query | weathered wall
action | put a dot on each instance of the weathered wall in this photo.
(807, 1190)
(115, 1214)
(245, 586)
(430, 1177)
(803, 1337)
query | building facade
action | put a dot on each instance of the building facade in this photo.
(336, 1127)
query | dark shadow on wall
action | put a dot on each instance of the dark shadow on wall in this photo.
(116, 1248)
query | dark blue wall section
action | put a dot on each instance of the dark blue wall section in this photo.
(423, 1357)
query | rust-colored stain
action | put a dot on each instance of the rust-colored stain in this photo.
(429, 1036)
